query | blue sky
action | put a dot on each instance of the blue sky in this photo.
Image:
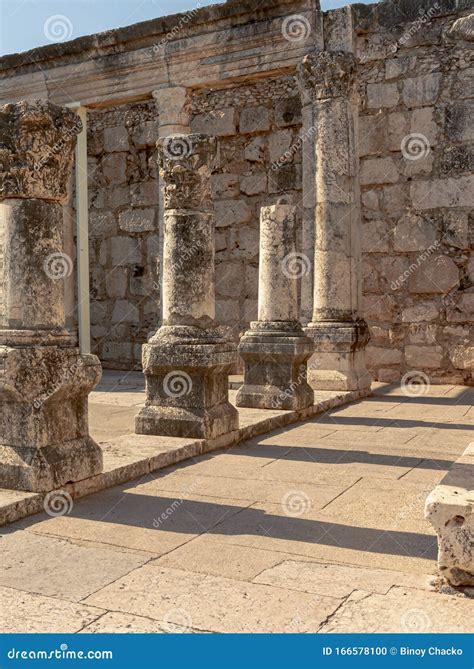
(25, 24)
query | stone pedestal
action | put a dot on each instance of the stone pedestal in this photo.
(44, 380)
(275, 350)
(331, 184)
(187, 363)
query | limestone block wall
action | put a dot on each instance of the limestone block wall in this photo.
(417, 158)
(416, 149)
(123, 247)
(256, 125)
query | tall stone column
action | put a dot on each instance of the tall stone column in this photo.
(186, 363)
(330, 111)
(275, 349)
(45, 382)
(173, 119)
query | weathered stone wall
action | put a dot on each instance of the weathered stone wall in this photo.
(123, 199)
(416, 148)
(255, 124)
(417, 158)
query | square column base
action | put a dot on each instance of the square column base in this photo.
(275, 368)
(44, 432)
(187, 390)
(338, 362)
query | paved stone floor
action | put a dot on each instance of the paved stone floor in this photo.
(315, 528)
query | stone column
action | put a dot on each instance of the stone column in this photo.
(173, 119)
(330, 111)
(186, 363)
(45, 382)
(275, 349)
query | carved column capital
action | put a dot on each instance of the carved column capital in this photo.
(37, 140)
(172, 104)
(186, 164)
(327, 74)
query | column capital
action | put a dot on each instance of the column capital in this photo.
(37, 140)
(327, 74)
(172, 106)
(175, 96)
(186, 164)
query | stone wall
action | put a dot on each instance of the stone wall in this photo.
(417, 158)
(123, 199)
(256, 124)
(416, 154)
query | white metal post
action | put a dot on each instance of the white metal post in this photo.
(82, 233)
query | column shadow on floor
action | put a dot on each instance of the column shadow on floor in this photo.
(186, 516)
(338, 456)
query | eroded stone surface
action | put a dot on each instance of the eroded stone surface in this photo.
(44, 436)
(36, 144)
(403, 611)
(275, 350)
(328, 86)
(214, 603)
(187, 362)
(23, 612)
(449, 508)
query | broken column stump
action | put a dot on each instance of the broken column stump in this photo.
(44, 380)
(450, 510)
(275, 350)
(187, 362)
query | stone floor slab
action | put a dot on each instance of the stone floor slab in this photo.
(122, 623)
(56, 567)
(22, 612)
(337, 580)
(248, 489)
(214, 604)
(207, 555)
(402, 611)
(326, 538)
(394, 505)
(146, 522)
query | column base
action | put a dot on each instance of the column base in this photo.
(275, 357)
(338, 362)
(44, 434)
(187, 389)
